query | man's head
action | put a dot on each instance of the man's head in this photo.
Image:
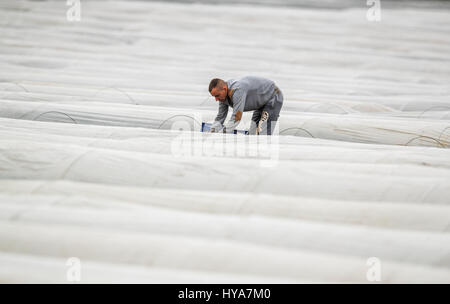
(218, 89)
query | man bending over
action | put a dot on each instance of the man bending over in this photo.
(244, 94)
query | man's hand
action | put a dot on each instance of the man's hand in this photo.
(238, 116)
(232, 124)
(215, 127)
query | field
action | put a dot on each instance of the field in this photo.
(93, 165)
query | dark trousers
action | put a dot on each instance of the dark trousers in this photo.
(273, 109)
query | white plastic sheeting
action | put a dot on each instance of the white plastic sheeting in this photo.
(89, 167)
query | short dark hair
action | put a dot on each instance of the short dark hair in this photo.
(214, 83)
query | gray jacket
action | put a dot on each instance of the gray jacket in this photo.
(249, 93)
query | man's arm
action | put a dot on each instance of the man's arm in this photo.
(239, 97)
(220, 118)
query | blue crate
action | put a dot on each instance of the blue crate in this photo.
(207, 126)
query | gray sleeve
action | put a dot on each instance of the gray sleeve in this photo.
(223, 111)
(239, 98)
